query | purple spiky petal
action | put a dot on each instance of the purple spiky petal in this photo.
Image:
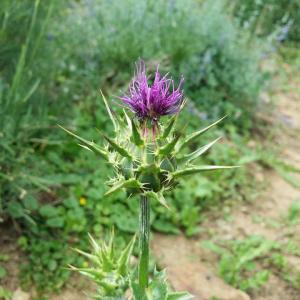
(153, 101)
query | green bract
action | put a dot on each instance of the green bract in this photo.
(147, 158)
(108, 269)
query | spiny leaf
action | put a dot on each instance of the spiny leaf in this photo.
(169, 147)
(121, 150)
(130, 183)
(128, 120)
(158, 197)
(196, 134)
(199, 169)
(124, 258)
(138, 292)
(94, 244)
(194, 155)
(136, 136)
(169, 127)
(111, 116)
(87, 255)
(111, 243)
(88, 144)
(89, 272)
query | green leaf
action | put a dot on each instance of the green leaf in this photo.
(111, 116)
(128, 120)
(124, 258)
(130, 183)
(30, 203)
(157, 289)
(121, 150)
(194, 170)
(169, 147)
(194, 155)
(2, 272)
(213, 247)
(48, 211)
(136, 136)
(180, 296)
(169, 127)
(52, 265)
(196, 134)
(90, 145)
(89, 256)
(138, 293)
(15, 209)
(55, 222)
(165, 227)
(158, 197)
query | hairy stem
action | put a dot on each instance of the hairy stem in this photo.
(144, 242)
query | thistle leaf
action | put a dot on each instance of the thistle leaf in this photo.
(130, 183)
(169, 127)
(111, 116)
(89, 272)
(138, 292)
(111, 244)
(128, 120)
(124, 258)
(158, 197)
(136, 136)
(91, 257)
(121, 150)
(90, 145)
(94, 244)
(169, 147)
(196, 134)
(194, 155)
(199, 169)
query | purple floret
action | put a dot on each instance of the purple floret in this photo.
(153, 101)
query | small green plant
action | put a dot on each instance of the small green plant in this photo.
(293, 216)
(266, 17)
(46, 260)
(238, 263)
(148, 158)
(5, 294)
(110, 270)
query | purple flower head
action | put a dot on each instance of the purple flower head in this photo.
(153, 101)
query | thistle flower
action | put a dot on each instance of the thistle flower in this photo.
(153, 101)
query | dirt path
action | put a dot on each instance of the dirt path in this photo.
(191, 267)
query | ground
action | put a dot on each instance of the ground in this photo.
(192, 267)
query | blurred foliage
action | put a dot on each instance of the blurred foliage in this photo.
(267, 17)
(220, 62)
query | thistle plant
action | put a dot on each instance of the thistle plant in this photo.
(148, 156)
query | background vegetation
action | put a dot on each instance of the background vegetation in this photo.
(54, 56)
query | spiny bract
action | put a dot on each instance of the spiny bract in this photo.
(146, 155)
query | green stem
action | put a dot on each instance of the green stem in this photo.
(144, 242)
